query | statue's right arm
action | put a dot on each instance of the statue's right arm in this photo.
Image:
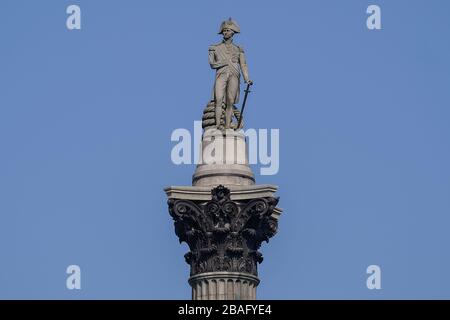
(212, 59)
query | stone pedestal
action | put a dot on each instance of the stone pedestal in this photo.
(224, 160)
(223, 217)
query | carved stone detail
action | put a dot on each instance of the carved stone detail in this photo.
(224, 235)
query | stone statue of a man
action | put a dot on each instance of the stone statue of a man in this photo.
(229, 61)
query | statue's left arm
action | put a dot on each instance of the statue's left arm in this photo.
(243, 64)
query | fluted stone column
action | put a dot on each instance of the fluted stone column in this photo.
(224, 217)
(223, 286)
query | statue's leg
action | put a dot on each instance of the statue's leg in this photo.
(228, 116)
(232, 88)
(219, 92)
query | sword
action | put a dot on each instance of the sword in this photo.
(247, 90)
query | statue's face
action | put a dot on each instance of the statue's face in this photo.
(227, 33)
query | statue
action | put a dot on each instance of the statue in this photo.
(229, 61)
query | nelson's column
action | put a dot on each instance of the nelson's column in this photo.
(224, 216)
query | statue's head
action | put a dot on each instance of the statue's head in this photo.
(227, 33)
(228, 28)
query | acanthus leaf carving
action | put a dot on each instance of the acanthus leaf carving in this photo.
(222, 234)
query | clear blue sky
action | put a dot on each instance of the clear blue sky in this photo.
(86, 118)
